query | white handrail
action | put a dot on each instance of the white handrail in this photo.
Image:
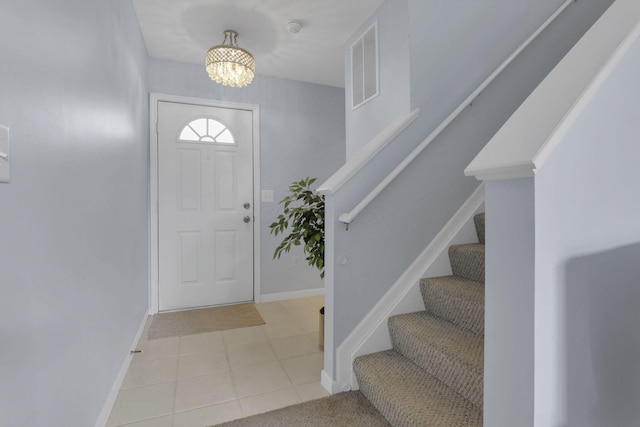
(348, 217)
(367, 153)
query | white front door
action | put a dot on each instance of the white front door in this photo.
(205, 205)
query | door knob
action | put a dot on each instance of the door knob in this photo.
(247, 219)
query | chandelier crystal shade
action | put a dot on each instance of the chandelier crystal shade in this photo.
(229, 64)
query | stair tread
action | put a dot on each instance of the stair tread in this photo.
(471, 246)
(453, 355)
(409, 396)
(461, 287)
(456, 299)
(451, 340)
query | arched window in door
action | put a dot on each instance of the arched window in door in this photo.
(206, 130)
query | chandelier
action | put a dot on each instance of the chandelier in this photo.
(229, 64)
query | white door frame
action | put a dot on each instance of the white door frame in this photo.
(153, 187)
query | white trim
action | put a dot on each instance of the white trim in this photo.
(117, 383)
(331, 386)
(585, 98)
(368, 152)
(522, 170)
(373, 26)
(349, 216)
(291, 295)
(154, 98)
(377, 317)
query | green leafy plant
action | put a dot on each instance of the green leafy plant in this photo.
(302, 223)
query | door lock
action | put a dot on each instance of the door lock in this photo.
(247, 205)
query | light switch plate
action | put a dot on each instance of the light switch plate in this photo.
(267, 196)
(5, 155)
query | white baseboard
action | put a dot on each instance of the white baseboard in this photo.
(371, 334)
(117, 384)
(291, 295)
(332, 386)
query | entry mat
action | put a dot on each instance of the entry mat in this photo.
(202, 320)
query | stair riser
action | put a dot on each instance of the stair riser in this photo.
(447, 369)
(478, 220)
(466, 314)
(467, 263)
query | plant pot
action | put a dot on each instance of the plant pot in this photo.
(321, 330)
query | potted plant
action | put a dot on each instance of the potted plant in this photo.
(302, 223)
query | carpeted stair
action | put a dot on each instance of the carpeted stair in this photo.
(433, 376)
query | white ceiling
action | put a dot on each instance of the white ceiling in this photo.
(183, 30)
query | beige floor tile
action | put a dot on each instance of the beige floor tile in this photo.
(308, 312)
(309, 324)
(209, 415)
(157, 349)
(269, 307)
(165, 421)
(260, 379)
(146, 372)
(137, 404)
(196, 364)
(294, 346)
(311, 391)
(296, 303)
(269, 401)
(317, 301)
(243, 335)
(249, 354)
(282, 329)
(275, 314)
(304, 369)
(201, 343)
(205, 390)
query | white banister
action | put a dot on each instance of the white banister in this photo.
(348, 217)
(541, 122)
(367, 153)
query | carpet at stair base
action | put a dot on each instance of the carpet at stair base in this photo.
(408, 396)
(350, 409)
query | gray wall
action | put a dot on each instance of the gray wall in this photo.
(73, 220)
(368, 120)
(397, 226)
(587, 264)
(302, 133)
(510, 294)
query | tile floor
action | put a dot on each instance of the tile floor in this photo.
(201, 380)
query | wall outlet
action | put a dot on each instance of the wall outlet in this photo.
(267, 196)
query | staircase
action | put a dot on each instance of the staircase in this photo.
(433, 376)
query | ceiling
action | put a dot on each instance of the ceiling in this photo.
(183, 30)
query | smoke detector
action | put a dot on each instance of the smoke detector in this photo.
(294, 27)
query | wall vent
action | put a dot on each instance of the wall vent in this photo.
(364, 67)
